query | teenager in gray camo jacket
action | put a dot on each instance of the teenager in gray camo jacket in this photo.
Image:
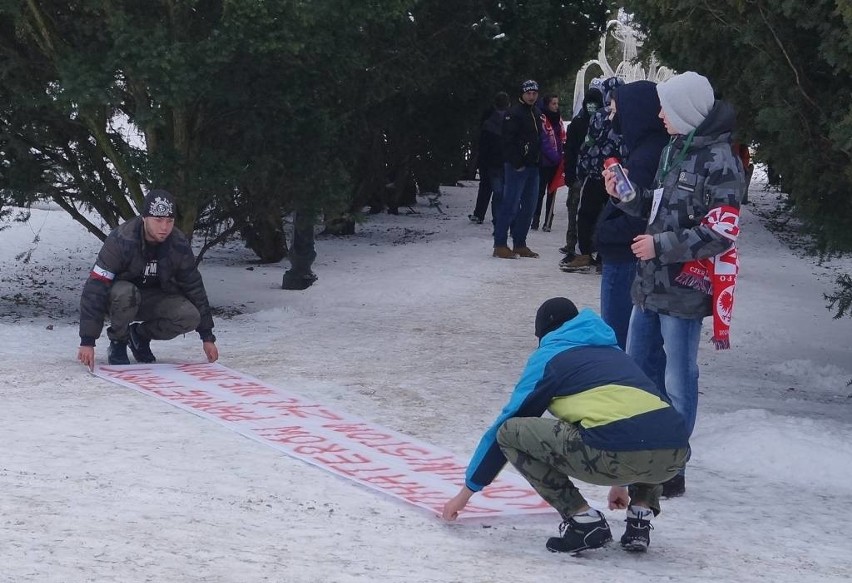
(145, 280)
(697, 173)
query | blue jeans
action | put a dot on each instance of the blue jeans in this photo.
(520, 189)
(666, 348)
(616, 305)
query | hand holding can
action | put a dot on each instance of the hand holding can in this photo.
(623, 188)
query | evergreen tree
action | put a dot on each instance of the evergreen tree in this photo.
(787, 67)
(247, 110)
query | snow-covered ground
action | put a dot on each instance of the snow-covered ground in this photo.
(414, 326)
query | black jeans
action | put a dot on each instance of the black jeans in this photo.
(592, 200)
(490, 182)
(545, 175)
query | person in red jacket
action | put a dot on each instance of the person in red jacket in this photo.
(552, 140)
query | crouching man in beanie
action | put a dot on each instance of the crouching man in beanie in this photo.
(610, 426)
(145, 280)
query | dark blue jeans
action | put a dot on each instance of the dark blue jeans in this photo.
(520, 189)
(616, 305)
(666, 348)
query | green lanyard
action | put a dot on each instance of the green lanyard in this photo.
(667, 162)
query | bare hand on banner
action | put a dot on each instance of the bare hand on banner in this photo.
(211, 351)
(455, 504)
(86, 355)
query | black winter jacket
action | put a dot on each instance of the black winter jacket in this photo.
(122, 258)
(491, 141)
(643, 139)
(576, 134)
(522, 136)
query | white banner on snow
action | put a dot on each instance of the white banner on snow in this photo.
(385, 460)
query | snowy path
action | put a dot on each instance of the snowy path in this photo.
(414, 326)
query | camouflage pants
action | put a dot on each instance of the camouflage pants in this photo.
(549, 452)
(164, 316)
(573, 202)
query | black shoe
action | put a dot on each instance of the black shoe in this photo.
(297, 281)
(674, 487)
(140, 347)
(475, 219)
(579, 536)
(565, 250)
(117, 353)
(534, 227)
(637, 535)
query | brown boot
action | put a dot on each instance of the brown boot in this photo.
(579, 263)
(525, 252)
(504, 252)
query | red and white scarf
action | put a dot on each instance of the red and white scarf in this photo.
(717, 276)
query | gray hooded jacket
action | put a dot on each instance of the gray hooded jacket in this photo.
(705, 176)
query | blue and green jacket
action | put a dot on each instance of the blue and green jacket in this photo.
(581, 376)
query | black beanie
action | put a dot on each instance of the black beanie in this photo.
(552, 314)
(159, 203)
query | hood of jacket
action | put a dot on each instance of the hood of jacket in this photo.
(644, 135)
(585, 329)
(608, 86)
(638, 113)
(721, 120)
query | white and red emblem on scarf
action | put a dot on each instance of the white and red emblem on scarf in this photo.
(717, 275)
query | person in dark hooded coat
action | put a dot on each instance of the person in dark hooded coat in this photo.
(635, 117)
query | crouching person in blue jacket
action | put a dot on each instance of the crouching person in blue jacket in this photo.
(610, 427)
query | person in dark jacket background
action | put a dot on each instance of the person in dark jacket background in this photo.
(144, 271)
(574, 137)
(522, 152)
(635, 116)
(490, 161)
(611, 426)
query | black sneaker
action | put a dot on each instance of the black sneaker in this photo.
(117, 353)
(475, 219)
(674, 487)
(579, 536)
(140, 347)
(297, 281)
(637, 535)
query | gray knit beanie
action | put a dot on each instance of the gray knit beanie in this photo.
(686, 100)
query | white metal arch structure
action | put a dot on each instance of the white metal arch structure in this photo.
(628, 69)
